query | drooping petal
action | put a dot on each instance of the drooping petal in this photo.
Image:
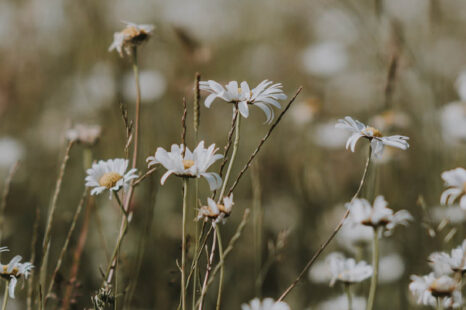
(243, 109)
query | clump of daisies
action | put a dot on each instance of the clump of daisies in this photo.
(110, 175)
(377, 140)
(13, 271)
(184, 163)
(216, 212)
(266, 304)
(455, 181)
(130, 37)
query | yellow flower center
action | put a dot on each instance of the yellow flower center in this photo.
(375, 131)
(110, 179)
(188, 163)
(14, 272)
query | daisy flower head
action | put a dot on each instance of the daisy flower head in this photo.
(85, 134)
(346, 270)
(109, 175)
(455, 180)
(378, 141)
(266, 304)
(13, 271)
(132, 36)
(216, 212)
(190, 164)
(445, 264)
(263, 96)
(430, 287)
(376, 215)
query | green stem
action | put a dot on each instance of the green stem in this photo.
(375, 266)
(220, 253)
(5, 295)
(233, 156)
(348, 294)
(183, 244)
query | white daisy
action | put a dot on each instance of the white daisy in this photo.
(455, 180)
(378, 141)
(266, 304)
(266, 94)
(354, 236)
(444, 264)
(192, 165)
(110, 174)
(378, 215)
(13, 271)
(430, 287)
(346, 270)
(133, 35)
(216, 212)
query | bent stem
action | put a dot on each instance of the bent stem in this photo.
(375, 266)
(183, 244)
(220, 253)
(349, 296)
(5, 295)
(330, 238)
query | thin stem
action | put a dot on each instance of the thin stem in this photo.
(349, 296)
(5, 295)
(138, 106)
(330, 238)
(220, 285)
(207, 273)
(375, 266)
(122, 208)
(439, 303)
(183, 244)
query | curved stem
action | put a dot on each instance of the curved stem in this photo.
(375, 266)
(220, 253)
(330, 238)
(183, 244)
(5, 295)
(348, 294)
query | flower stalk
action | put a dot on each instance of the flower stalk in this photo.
(5, 295)
(375, 265)
(349, 296)
(183, 245)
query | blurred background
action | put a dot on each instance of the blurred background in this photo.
(397, 65)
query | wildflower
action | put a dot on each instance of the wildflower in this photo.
(216, 212)
(132, 36)
(445, 264)
(111, 175)
(353, 235)
(455, 180)
(191, 165)
(266, 304)
(13, 271)
(391, 268)
(347, 270)
(266, 94)
(378, 215)
(430, 287)
(85, 134)
(341, 302)
(453, 122)
(378, 141)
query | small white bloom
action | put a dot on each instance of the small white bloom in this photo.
(86, 134)
(266, 94)
(454, 214)
(378, 141)
(453, 122)
(110, 174)
(445, 264)
(455, 180)
(13, 271)
(353, 236)
(130, 37)
(341, 302)
(216, 212)
(391, 268)
(192, 165)
(320, 272)
(346, 270)
(428, 288)
(378, 215)
(266, 304)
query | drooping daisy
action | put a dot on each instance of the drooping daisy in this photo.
(266, 304)
(444, 264)
(378, 141)
(216, 212)
(346, 270)
(266, 94)
(133, 35)
(455, 180)
(192, 165)
(13, 271)
(109, 175)
(430, 287)
(378, 215)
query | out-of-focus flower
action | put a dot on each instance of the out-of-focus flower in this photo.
(11, 150)
(455, 180)
(152, 83)
(266, 304)
(336, 25)
(341, 302)
(454, 214)
(132, 36)
(85, 134)
(13, 271)
(430, 287)
(453, 122)
(391, 268)
(191, 165)
(304, 111)
(444, 264)
(390, 119)
(327, 136)
(346, 270)
(352, 235)
(325, 58)
(263, 96)
(378, 215)
(216, 212)
(109, 175)
(378, 141)
(320, 272)
(460, 85)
